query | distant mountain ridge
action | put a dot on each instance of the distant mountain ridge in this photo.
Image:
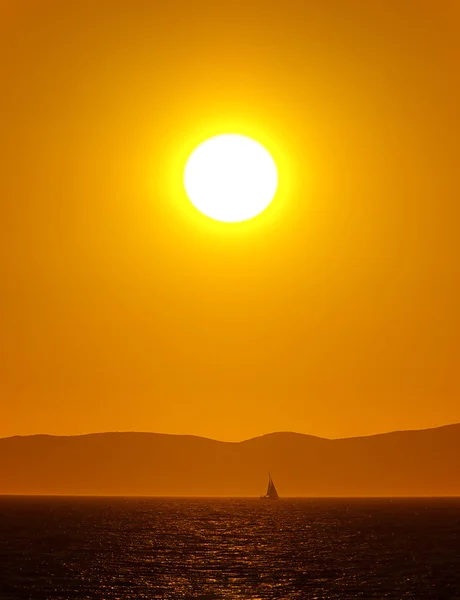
(402, 463)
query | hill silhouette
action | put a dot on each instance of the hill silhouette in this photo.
(406, 463)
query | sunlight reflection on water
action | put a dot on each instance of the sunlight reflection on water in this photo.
(64, 548)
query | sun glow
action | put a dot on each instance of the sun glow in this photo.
(230, 178)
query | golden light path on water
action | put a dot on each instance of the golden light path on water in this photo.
(228, 549)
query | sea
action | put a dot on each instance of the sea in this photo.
(64, 548)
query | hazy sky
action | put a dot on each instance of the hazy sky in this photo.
(334, 313)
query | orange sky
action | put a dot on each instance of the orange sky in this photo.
(334, 313)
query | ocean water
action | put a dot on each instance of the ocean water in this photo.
(236, 549)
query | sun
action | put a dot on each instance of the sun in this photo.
(230, 178)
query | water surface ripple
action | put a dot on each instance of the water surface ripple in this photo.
(236, 549)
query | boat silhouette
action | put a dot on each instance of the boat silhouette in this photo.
(271, 494)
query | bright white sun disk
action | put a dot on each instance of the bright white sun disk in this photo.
(230, 178)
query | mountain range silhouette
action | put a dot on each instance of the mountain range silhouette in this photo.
(403, 463)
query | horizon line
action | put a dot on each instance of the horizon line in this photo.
(227, 497)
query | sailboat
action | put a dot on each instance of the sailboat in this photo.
(271, 494)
